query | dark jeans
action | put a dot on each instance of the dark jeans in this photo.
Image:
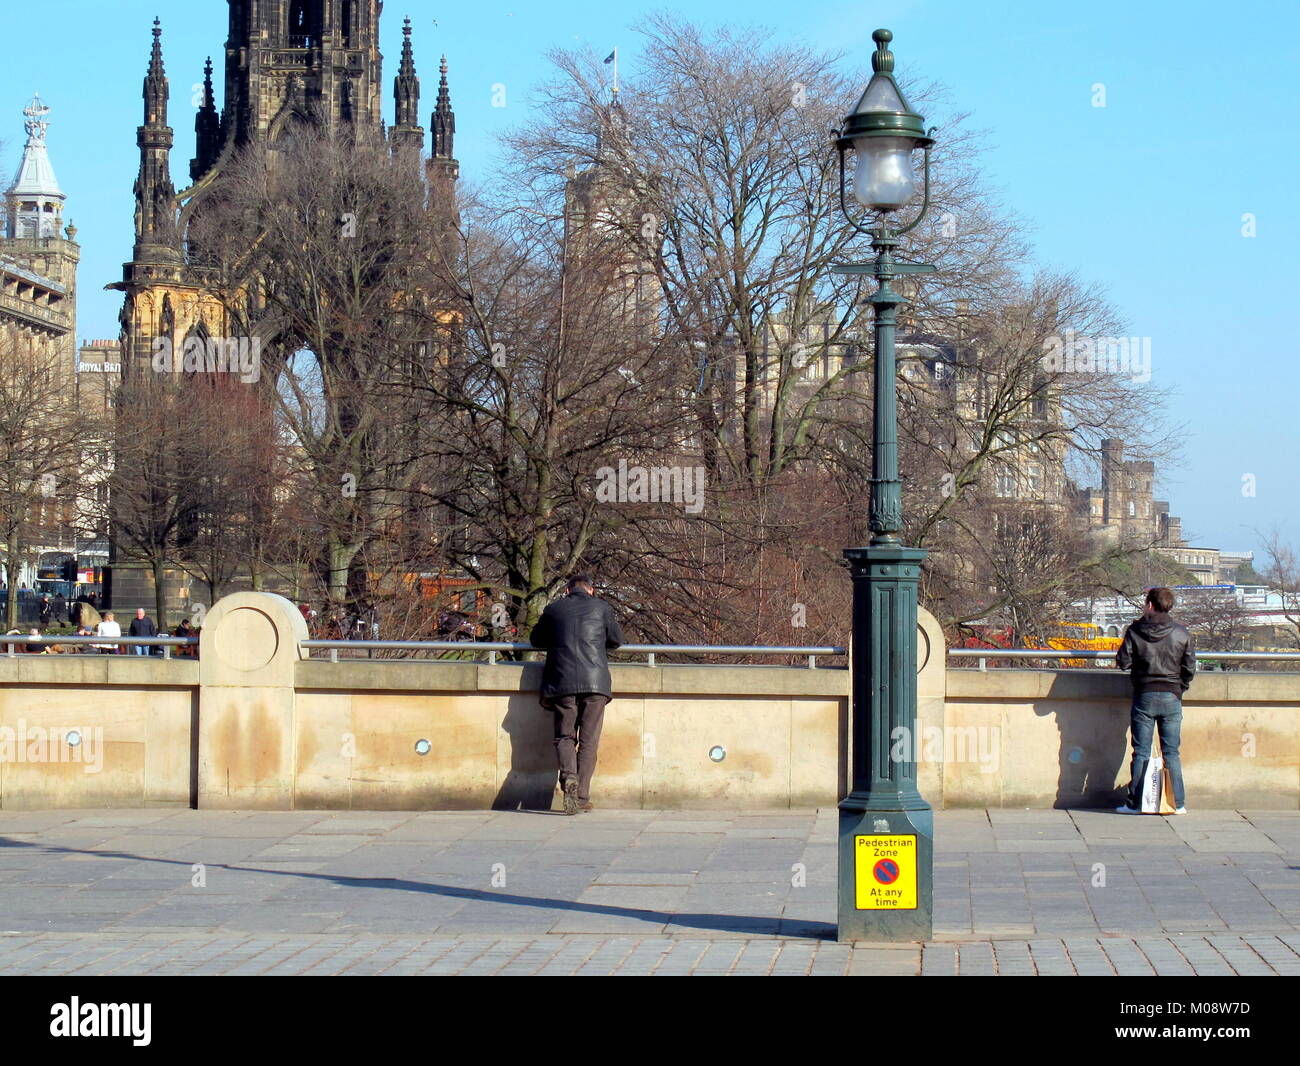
(1152, 711)
(578, 721)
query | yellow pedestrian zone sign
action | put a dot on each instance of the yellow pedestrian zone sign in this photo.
(885, 872)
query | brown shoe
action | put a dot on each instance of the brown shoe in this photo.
(585, 807)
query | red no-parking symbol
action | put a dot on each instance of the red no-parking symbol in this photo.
(886, 871)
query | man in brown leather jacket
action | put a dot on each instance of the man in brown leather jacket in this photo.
(1160, 657)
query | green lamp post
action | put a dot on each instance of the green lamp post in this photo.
(886, 840)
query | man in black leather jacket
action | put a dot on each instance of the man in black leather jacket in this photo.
(576, 632)
(1160, 657)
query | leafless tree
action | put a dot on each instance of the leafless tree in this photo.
(1282, 572)
(317, 244)
(1219, 622)
(42, 434)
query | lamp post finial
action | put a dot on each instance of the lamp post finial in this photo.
(882, 59)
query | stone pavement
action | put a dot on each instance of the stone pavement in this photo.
(633, 892)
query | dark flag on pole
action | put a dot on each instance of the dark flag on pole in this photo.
(613, 58)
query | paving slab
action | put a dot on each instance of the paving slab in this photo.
(628, 892)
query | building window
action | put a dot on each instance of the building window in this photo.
(1132, 509)
(1005, 484)
(1035, 476)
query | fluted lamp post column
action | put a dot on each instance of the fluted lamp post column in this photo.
(886, 839)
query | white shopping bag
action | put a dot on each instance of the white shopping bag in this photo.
(1153, 783)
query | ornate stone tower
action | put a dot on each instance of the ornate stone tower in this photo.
(312, 60)
(38, 317)
(316, 60)
(311, 57)
(162, 298)
(38, 254)
(611, 231)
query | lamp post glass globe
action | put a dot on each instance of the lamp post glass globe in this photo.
(883, 179)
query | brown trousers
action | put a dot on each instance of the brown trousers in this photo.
(578, 721)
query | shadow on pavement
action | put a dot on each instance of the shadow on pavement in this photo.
(760, 926)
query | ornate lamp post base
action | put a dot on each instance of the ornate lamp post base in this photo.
(886, 840)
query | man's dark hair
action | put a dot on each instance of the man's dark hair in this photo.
(1161, 599)
(576, 580)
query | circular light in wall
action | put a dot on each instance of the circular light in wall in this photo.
(423, 747)
(717, 753)
(1076, 755)
(73, 738)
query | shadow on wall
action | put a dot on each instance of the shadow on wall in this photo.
(1091, 754)
(531, 780)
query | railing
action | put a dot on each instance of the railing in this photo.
(17, 643)
(984, 654)
(493, 648)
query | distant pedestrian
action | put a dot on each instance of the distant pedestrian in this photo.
(108, 628)
(141, 626)
(577, 631)
(1160, 657)
(185, 630)
(47, 610)
(61, 608)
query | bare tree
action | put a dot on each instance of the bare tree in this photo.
(1218, 620)
(41, 437)
(317, 244)
(1283, 574)
(547, 386)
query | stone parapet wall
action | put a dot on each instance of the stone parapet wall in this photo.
(254, 724)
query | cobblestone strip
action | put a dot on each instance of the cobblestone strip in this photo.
(939, 960)
(757, 959)
(1241, 957)
(1165, 958)
(495, 958)
(643, 959)
(607, 958)
(567, 961)
(534, 956)
(1274, 951)
(976, 960)
(794, 959)
(1126, 957)
(1050, 959)
(1088, 958)
(1206, 962)
(1013, 959)
(420, 958)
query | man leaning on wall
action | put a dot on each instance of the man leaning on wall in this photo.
(577, 631)
(1160, 657)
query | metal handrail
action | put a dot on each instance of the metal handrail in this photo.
(984, 654)
(494, 647)
(13, 640)
(1090, 653)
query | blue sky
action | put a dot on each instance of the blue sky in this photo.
(1145, 195)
